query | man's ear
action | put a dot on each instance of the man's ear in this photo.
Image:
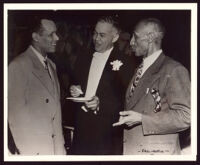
(35, 36)
(150, 37)
(153, 35)
(115, 38)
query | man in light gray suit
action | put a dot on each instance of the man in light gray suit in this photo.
(158, 97)
(34, 111)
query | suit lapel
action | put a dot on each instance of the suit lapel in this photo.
(54, 79)
(40, 73)
(145, 82)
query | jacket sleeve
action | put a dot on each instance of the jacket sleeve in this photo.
(175, 109)
(57, 124)
(17, 109)
(59, 140)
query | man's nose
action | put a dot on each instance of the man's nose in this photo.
(132, 41)
(96, 37)
(55, 37)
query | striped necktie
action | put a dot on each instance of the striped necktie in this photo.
(138, 75)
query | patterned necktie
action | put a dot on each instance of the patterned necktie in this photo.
(47, 68)
(138, 75)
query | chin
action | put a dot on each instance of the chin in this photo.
(138, 54)
(52, 50)
(97, 50)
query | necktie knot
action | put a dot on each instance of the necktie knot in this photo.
(46, 64)
(141, 65)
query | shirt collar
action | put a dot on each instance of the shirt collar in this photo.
(104, 54)
(153, 56)
(39, 55)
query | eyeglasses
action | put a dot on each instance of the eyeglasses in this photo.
(148, 36)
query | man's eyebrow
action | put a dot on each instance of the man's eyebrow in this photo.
(100, 33)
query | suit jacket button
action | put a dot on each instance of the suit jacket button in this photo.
(52, 135)
(53, 118)
(47, 100)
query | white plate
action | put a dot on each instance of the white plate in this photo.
(78, 99)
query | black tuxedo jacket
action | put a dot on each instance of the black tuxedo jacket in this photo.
(94, 134)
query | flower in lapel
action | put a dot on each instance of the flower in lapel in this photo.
(116, 65)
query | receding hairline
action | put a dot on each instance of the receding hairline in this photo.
(47, 21)
(40, 25)
(156, 25)
(110, 20)
(113, 28)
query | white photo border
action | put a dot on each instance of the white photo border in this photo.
(109, 6)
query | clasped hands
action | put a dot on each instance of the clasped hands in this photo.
(129, 118)
(92, 104)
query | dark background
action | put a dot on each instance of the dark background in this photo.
(177, 22)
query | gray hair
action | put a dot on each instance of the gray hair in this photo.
(113, 20)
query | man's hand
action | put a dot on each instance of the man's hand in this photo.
(129, 118)
(75, 90)
(93, 104)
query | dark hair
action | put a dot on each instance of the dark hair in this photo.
(35, 25)
(113, 20)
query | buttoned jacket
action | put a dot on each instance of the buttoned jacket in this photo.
(34, 112)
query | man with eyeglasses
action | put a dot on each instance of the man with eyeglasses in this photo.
(157, 104)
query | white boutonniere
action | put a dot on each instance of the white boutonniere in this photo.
(116, 65)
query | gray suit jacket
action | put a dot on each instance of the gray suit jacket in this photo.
(158, 133)
(34, 112)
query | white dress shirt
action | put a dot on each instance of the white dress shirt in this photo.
(96, 69)
(148, 61)
(40, 57)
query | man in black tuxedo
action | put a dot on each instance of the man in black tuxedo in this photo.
(102, 77)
